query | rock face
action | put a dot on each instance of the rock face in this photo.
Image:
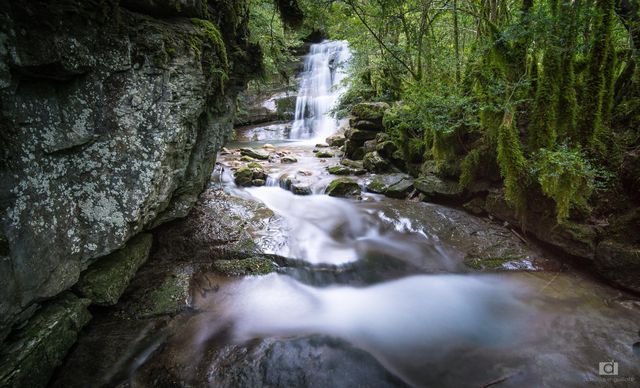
(110, 122)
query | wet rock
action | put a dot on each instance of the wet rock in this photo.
(248, 159)
(343, 187)
(105, 281)
(251, 174)
(352, 163)
(631, 171)
(336, 140)
(435, 188)
(252, 153)
(381, 184)
(288, 159)
(297, 184)
(324, 154)
(344, 170)
(241, 267)
(30, 355)
(321, 145)
(619, 262)
(258, 182)
(373, 162)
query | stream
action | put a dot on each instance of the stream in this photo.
(379, 294)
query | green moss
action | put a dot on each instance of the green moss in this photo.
(343, 187)
(512, 163)
(469, 166)
(209, 35)
(168, 298)
(242, 267)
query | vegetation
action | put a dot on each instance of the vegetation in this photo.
(542, 93)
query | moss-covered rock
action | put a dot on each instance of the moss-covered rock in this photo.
(288, 159)
(105, 281)
(344, 170)
(324, 154)
(391, 185)
(435, 188)
(30, 355)
(336, 140)
(168, 297)
(256, 154)
(375, 163)
(250, 175)
(343, 187)
(353, 150)
(241, 267)
(358, 136)
(372, 111)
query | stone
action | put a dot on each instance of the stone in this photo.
(336, 140)
(243, 176)
(373, 162)
(359, 136)
(324, 154)
(245, 158)
(250, 175)
(288, 159)
(435, 188)
(386, 149)
(631, 172)
(242, 267)
(369, 146)
(256, 154)
(322, 145)
(114, 129)
(343, 187)
(258, 182)
(352, 163)
(353, 151)
(619, 262)
(344, 170)
(382, 137)
(105, 281)
(372, 111)
(32, 354)
(392, 185)
(367, 125)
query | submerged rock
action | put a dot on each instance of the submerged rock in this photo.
(105, 281)
(343, 187)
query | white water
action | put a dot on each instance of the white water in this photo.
(321, 87)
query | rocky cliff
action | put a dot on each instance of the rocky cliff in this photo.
(111, 114)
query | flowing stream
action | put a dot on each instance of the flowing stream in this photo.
(375, 291)
(411, 303)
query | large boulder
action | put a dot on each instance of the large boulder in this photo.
(436, 189)
(619, 262)
(391, 185)
(371, 111)
(111, 121)
(343, 187)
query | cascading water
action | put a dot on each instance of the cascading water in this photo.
(321, 87)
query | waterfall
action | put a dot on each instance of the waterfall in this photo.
(320, 89)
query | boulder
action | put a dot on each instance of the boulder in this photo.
(359, 136)
(250, 175)
(256, 154)
(344, 170)
(288, 159)
(105, 281)
(352, 163)
(336, 140)
(324, 154)
(619, 262)
(242, 267)
(386, 149)
(367, 125)
(369, 146)
(32, 354)
(437, 189)
(373, 162)
(391, 185)
(343, 187)
(353, 151)
(372, 111)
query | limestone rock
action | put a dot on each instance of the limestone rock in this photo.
(375, 163)
(256, 154)
(105, 281)
(435, 188)
(111, 123)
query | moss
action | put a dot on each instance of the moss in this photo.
(210, 35)
(105, 281)
(242, 267)
(469, 166)
(512, 163)
(170, 297)
(343, 187)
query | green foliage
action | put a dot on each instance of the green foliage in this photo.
(512, 163)
(469, 167)
(566, 177)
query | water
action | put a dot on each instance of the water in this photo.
(321, 86)
(374, 292)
